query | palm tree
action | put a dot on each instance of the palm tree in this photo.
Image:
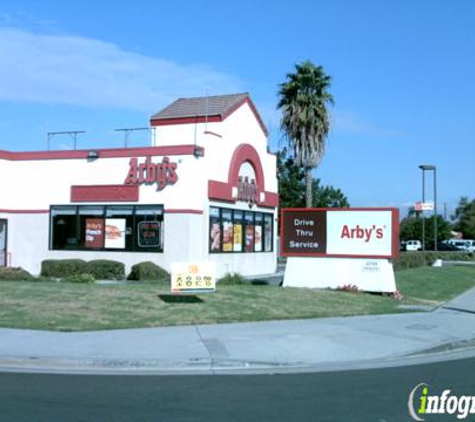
(303, 99)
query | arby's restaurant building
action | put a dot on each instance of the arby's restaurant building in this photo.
(205, 190)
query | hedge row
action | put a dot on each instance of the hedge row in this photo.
(100, 269)
(420, 259)
(79, 270)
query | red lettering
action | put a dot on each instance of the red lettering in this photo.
(142, 169)
(345, 233)
(150, 170)
(162, 174)
(131, 178)
(361, 233)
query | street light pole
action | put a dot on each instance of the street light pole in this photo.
(435, 208)
(423, 202)
(429, 167)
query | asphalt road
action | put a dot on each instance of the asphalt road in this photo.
(379, 395)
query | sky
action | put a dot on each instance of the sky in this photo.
(402, 79)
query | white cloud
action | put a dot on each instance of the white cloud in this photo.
(74, 70)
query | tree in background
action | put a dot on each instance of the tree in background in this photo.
(465, 218)
(303, 99)
(411, 228)
(328, 196)
(291, 180)
(292, 187)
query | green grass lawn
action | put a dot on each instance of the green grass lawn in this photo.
(77, 307)
(437, 285)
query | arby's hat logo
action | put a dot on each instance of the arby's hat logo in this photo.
(247, 190)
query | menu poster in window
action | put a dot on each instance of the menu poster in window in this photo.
(258, 239)
(115, 233)
(227, 231)
(249, 238)
(227, 236)
(214, 230)
(237, 237)
(94, 233)
(148, 234)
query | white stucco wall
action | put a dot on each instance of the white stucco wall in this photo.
(39, 184)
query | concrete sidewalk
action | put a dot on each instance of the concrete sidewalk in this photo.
(264, 347)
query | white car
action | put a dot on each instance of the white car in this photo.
(413, 245)
(466, 245)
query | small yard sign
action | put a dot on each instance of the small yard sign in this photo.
(192, 277)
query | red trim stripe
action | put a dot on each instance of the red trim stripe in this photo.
(167, 211)
(102, 153)
(185, 120)
(24, 211)
(182, 211)
(104, 193)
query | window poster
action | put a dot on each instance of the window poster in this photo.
(258, 239)
(115, 233)
(227, 231)
(214, 230)
(148, 234)
(258, 232)
(249, 238)
(237, 236)
(94, 233)
(227, 236)
(249, 217)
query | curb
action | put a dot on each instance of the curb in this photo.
(104, 366)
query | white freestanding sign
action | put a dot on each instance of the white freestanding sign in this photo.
(332, 248)
(370, 275)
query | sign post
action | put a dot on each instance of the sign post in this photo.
(331, 248)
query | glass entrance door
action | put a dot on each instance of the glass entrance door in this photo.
(3, 243)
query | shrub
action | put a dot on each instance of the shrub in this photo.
(80, 278)
(62, 268)
(105, 269)
(408, 260)
(232, 280)
(418, 259)
(148, 271)
(15, 274)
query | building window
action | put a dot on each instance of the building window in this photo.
(239, 231)
(126, 228)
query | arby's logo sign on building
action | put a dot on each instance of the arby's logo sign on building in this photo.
(247, 189)
(352, 232)
(147, 172)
